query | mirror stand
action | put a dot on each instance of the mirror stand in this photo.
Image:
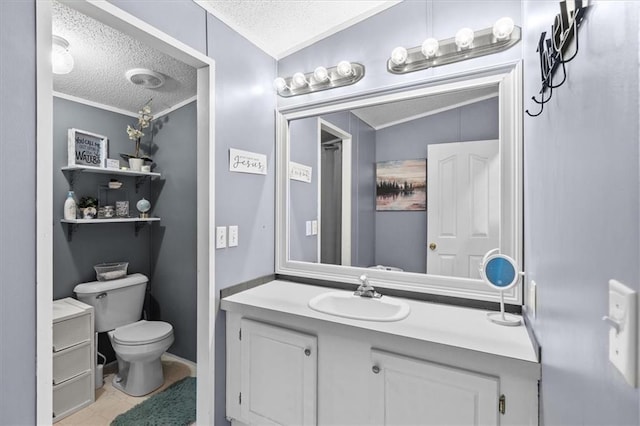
(500, 272)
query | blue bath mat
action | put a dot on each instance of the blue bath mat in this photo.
(174, 406)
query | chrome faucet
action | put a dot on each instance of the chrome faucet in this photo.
(366, 289)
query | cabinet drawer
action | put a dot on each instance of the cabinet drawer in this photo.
(70, 332)
(72, 395)
(71, 362)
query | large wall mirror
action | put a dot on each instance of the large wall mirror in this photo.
(412, 187)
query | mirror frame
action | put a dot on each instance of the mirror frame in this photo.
(508, 79)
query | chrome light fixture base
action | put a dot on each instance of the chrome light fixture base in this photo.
(334, 79)
(484, 43)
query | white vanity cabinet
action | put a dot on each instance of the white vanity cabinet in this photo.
(278, 371)
(406, 391)
(442, 365)
(73, 357)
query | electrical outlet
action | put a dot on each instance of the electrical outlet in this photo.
(233, 236)
(221, 237)
(308, 228)
(314, 227)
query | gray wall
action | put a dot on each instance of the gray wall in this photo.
(158, 249)
(581, 211)
(304, 196)
(173, 285)
(73, 260)
(408, 23)
(244, 119)
(405, 232)
(17, 213)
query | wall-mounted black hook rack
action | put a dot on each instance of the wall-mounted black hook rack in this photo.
(553, 50)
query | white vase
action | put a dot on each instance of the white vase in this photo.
(135, 164)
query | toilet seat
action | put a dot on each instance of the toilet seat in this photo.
(142, 333)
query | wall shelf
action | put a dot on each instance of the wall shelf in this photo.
(72, 224)
(70, 172)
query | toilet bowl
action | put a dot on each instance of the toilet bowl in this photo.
(138, 344)
(138, 348)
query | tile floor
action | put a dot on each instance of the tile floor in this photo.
(110, 401)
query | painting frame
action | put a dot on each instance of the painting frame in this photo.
(401, 185)
(86, 149)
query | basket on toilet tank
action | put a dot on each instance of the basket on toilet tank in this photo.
(116, 302)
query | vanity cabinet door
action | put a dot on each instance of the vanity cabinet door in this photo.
(409, 391)
(279, 375)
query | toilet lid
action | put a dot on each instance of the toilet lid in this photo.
(142, 332)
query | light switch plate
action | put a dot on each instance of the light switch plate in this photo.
(314, 227)
(623, 344)
(221, 237)
(233, 235)
(308, 229)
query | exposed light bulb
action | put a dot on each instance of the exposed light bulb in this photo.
(430, 47)
(320, 74)
(344, 68)
(464, 38)
(503, 28)
(298, 80)
(399, 55)
(280, 84)
(61, 60)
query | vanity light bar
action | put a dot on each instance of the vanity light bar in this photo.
(467, 44)
(344, 74)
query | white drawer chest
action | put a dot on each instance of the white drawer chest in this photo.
(73, 357)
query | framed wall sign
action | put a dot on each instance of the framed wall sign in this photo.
(86, 148)
(300, 172)
(247, 162)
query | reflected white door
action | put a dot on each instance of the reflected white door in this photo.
(463, 206)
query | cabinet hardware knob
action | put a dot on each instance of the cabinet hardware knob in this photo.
(307, 352)
(375, 369)
(433, 246)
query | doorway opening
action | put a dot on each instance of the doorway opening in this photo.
(137, 29)
(334, 242)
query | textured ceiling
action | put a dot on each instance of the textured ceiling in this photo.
(102, 55)
(385, 115)
(280, 27)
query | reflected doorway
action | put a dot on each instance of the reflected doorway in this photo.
(334, 242)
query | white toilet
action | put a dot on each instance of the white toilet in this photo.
(138, 343)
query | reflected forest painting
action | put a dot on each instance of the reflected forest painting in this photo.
(401, 185)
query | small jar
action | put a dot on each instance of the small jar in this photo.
(106, 212)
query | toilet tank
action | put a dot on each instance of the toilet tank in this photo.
(116, 302)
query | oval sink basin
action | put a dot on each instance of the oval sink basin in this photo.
(347, 305)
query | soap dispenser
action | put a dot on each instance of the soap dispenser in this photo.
(70, 206)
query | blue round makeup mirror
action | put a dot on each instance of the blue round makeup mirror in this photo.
(500, 272)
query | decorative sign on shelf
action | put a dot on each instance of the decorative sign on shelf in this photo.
(86, 148)
(553, 50)
(300, 172)
(247, 162)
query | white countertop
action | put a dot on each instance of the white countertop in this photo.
(432, 322)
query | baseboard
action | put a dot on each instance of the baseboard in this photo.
(171, 357)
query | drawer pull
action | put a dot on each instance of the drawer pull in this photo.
(101, 295)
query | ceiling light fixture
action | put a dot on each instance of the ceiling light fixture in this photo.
(343, 74)
(61, 60)
(145, 78)
(466, 44)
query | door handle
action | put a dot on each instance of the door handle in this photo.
(433, 246)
